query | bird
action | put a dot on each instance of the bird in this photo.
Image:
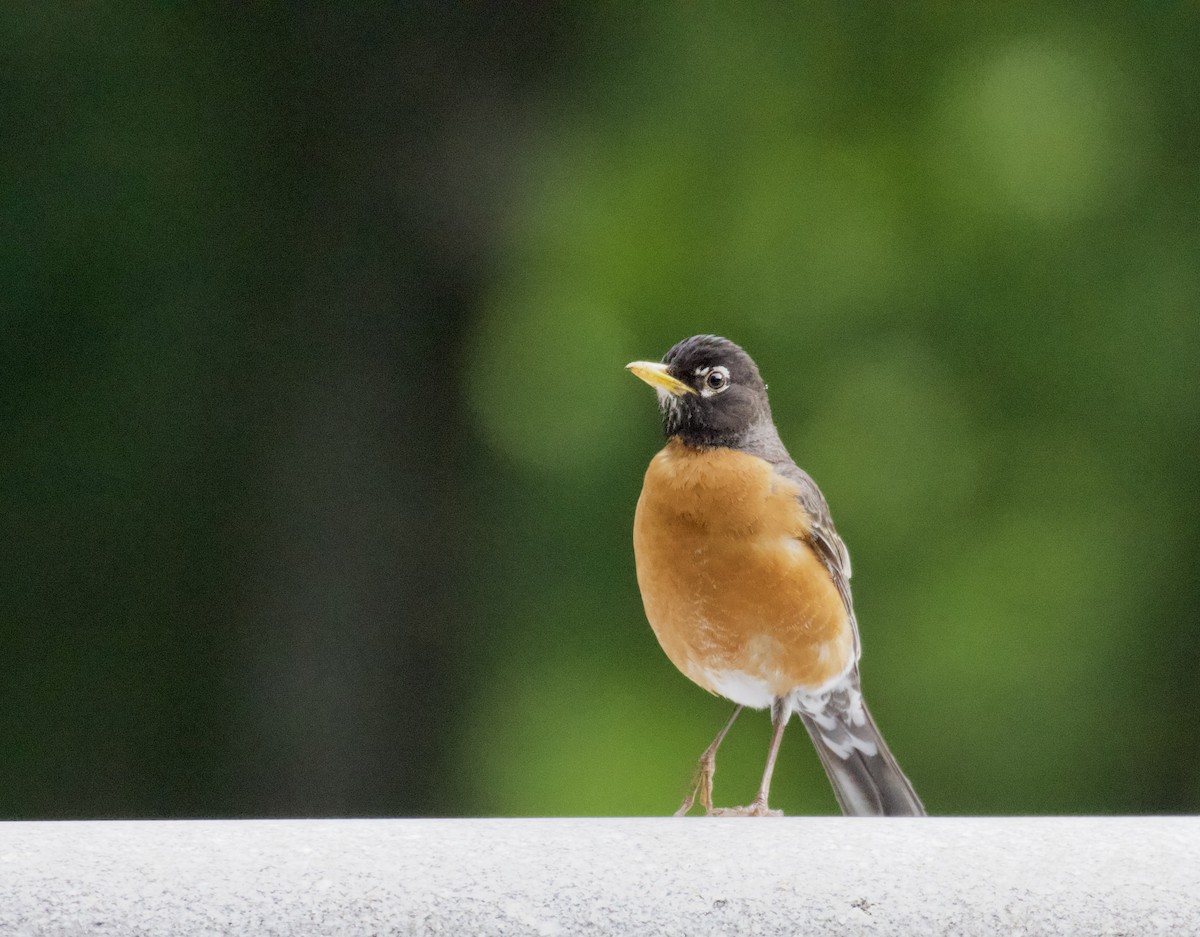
(746, 583)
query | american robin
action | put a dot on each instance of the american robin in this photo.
(746, 583)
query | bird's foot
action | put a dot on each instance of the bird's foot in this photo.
(702, 786)
(757, 809)
(699, 788)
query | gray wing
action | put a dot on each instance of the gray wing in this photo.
(824, 537)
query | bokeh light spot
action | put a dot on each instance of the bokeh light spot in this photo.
(818, 227)
(1034, 129)
(544, 377)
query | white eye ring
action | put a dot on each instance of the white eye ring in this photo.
(715, 381)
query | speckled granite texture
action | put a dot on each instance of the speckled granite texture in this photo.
(793, 876)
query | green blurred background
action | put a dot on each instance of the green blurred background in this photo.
(318, 461)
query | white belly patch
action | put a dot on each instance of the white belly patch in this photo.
(736, 685)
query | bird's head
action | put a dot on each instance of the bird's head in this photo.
(709, 391)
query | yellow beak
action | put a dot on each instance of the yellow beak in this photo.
(655, 374)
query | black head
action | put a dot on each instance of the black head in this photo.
(710, 393)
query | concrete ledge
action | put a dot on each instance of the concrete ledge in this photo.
(811, 876)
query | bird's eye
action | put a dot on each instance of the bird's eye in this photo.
(717, 379)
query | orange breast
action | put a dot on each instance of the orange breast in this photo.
(738, 599)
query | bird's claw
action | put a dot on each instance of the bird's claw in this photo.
(758, 808)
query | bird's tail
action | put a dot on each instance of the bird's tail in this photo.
(864, 775)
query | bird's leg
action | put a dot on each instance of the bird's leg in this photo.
(779, 718)
(780, 711)
(702, 783)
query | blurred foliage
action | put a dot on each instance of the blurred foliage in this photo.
(318, 459)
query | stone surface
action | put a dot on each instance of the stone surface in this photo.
(794, 876)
